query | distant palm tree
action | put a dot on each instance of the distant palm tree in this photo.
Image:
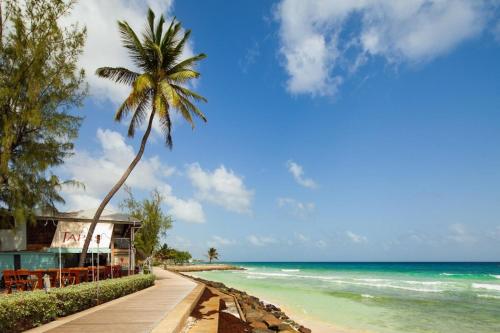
(212, 254)
(156, 89)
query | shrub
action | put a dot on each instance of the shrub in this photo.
(24, 310)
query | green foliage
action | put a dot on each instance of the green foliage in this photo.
(212, 254)
(162, 77)
(39, 85)
(24, 310)
(178, 257)
(154, 222)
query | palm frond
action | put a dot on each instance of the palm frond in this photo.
(166, 125)
(134, 46)
(189, 93)
(118, 74)
(129, 104)
(169, 93)
(184, 75)
(189, 62)
(159, 30)
(191, 107)
(138, 116)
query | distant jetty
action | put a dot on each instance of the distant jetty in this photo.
(202, 267)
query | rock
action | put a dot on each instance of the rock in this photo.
(262, 330)
(271, 321)
(284, 327)
(258, 324)
(303, 329)
(253, 315)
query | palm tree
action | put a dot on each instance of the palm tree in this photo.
(156, 89)
(212, 254)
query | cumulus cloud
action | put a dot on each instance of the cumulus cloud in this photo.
(221, 187)
(321, 244)
(355, 238)
(261, 240)
(99, 171)
(320, 50)
(460, 234)
(103, 46)
(298, 174)
(296, 208)
(218, 241)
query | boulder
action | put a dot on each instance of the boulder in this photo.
(271, 321)
(303, 329)
(258, 324)
(262, 330)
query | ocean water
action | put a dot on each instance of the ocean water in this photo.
(379, 297)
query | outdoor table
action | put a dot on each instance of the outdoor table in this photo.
(81, 274)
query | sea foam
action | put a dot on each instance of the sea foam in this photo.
(487, 286)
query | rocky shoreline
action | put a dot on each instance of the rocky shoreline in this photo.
(261, 317)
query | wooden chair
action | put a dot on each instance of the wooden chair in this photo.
(25, 280)
(67, 278)
(10, 280)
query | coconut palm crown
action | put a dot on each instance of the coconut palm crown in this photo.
(157, 88)
(212, 254)
(161, 84)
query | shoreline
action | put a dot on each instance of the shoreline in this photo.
(202, 268)
(301, 322)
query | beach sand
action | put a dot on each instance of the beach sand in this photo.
(315, 325)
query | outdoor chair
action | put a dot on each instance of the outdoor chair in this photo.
(68, 278)
(25, 280)
(10, 281)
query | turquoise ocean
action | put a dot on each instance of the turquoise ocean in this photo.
(379, 297)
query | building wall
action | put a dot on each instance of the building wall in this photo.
(29, 260)
(13, 239)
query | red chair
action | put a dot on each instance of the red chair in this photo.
(25, 280)
(10, 280)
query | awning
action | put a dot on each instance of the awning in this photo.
(70, 237)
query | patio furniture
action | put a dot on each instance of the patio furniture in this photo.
(25, 279)
(10, 280)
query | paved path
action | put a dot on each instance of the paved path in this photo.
(139, 312)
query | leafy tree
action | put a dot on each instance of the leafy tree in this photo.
(39, 85)
(158, 88)
(178, 257)
(154, 222)
(212, 254)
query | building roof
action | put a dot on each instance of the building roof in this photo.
(88, 215)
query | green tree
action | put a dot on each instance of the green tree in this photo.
(212, 254)
(154, 222)
(158, 88)
(39, 86)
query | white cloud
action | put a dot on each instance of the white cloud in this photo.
(103, 46)
(218, 241)
(302, 238)
(355, 237)
(321, 244)
(296, 208)
(460, 234)
(221, 187)
(320, 50)
(298, 174)
(261, 240)
(101, 170)
(496, 31)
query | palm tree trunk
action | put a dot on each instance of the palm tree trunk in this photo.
(115, 189)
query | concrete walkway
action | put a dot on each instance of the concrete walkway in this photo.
(142, 311)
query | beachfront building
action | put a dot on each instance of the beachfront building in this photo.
(59, 237)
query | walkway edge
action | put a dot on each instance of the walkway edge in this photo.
(175, 319)
(63, 320)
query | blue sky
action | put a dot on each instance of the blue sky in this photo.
(337, 130)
